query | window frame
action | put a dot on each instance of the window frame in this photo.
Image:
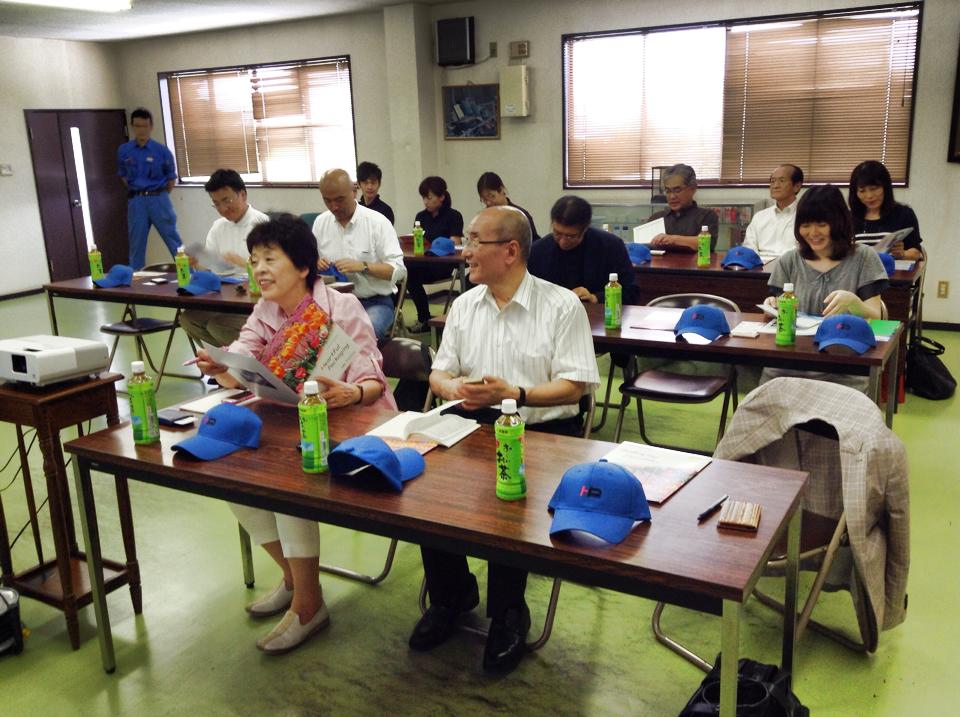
(757, 19)
(165, 76)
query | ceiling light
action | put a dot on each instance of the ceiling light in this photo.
(91, 5)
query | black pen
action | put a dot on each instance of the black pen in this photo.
(712, 509)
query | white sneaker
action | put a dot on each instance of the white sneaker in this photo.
(289, 633)
(272, 604)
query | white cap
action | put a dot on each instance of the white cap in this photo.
(704, 228)
(137, 366)
(613, 276)
(508, 405)
(181, 249)
(788, 287)
(310, 388)
(93, 247)
(416, 223)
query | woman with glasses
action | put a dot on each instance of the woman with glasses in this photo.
(438, 219)
(875, 211)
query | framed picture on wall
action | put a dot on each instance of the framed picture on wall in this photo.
(953, 153)
(471, 112)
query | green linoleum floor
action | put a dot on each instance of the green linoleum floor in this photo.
(192, 650)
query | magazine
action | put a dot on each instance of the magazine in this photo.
(661, 471)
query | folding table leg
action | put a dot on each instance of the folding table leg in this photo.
(729, 657)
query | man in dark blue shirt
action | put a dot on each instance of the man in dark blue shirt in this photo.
(148, 171)
(580, 257)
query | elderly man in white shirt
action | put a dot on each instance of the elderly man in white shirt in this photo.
(226, 245)
(362, 244)
(529, 340)
(770, 234)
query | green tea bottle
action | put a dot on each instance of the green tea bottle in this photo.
(183, 267)
(314, 434)
(96, 262)
(703, 247)
(418, 235)
(253, 286)
(143, 406)
(786, 317)
(511, 479)
(612, 303)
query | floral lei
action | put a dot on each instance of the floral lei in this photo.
(292, 353)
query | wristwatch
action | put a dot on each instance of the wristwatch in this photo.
(366, 268)
(522, 399)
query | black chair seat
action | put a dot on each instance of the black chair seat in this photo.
(132, 327)
(675, 387)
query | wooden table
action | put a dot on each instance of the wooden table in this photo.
(140, 293)
(454, 261)
(62, 581)
(761, 351)
(678, 273)
(453, 506)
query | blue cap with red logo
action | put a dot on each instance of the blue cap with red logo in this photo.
(201, 282)
(845, 330)
(601, 498)
(442, 246)
(119, 275)
(223, 429)
(703, 320)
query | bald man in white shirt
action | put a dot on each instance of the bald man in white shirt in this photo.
(529, 340)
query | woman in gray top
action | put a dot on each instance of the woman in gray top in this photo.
(831, 274)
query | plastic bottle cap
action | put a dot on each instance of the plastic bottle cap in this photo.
(508, 405)
(416, 224)
(310, 388)
(181, 250)
(704, 228)
(786, 287)
(613, 277)
(137, 367)
(93, 247)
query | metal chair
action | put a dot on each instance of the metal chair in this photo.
(670, 387)
(130, 325)
(397, 328)
(587, 406)
(826, 545)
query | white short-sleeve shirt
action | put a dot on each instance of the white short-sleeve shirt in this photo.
(226, 236)
(770, 233)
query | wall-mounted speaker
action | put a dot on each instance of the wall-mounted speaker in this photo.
(455, 41)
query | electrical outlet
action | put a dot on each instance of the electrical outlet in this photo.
(519, 49)
(493, 49)
(943, 289)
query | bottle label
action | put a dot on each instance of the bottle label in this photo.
(418, 247)
(254, 287)
(314, 435)
(96, 265)
(612, 306)
(703, 250)
(143, 412)
(183, 270)
(786, 321)
(511, 479)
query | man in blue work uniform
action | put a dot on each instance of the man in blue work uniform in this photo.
(148, 172)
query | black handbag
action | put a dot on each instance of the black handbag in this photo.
(11, 631)
(927, 376)
(761, 692)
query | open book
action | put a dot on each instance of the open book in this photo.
(882, 241)
(661, 471)
(434, 426)
(807, 324)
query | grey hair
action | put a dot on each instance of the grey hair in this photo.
(684, 171)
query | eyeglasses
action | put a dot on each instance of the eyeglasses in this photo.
(474, 243)
(226, 202)
(674, 191)
(779, 181)
(568, 236)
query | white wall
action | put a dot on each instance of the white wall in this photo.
(529, 153)
(40, 74)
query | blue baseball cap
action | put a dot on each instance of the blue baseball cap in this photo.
(396, 466)
(334, 272)
(601, 498)
(741, 257)
(639, 253)
(223, 429)
(119, 275)
(201, 282)
(442, 246)
(889, 263)
(706, 321)
(845, 330)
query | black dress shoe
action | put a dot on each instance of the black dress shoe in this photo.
(506, 641)
(439, 622)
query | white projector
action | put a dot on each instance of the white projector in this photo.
(42, 360)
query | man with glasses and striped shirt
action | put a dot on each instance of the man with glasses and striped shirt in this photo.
(512, 336)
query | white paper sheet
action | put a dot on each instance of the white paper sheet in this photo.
(645, 233)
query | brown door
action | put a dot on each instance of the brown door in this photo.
(58, 194)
